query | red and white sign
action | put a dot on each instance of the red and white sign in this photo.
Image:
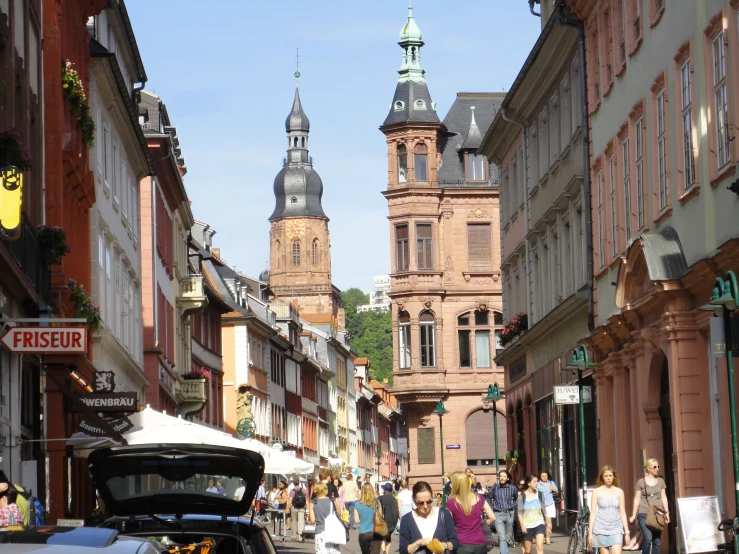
(46, 340)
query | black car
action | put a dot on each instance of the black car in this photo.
(158, 492)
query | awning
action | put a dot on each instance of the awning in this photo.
(152, 427)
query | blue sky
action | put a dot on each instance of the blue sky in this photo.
(225, 70)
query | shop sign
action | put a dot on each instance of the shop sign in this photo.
(114, 404)
(46, 340)
(453, 446)
(290, 453)
(517, 369)
(699, 520)
(567, 394)
(718, 337)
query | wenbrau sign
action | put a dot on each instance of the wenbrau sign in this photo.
(46, 340)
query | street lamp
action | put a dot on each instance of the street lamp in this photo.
(493, 396)
(440, 411)
(724, 300)
(377, 456)
(11, 202)
(580, 361)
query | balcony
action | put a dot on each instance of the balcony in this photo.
(285, 312)
(406, 282)
(28, 257)
(192, 297)
(191, 396)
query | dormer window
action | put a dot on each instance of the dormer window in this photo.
(399, 106)
(419, 105)
(476, 167)
(294, 200)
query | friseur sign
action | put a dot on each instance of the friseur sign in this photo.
(46, 340)
(111, 401)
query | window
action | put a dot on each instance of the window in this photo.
(476, 167)
(420, 160)
(106, 171)
(479, 248)
(513, 187)
(543, 143)
(482, 340)
(402, 163)
(463, 335)
(315, 252)
(639, 137)
(601, 247)
(612, 177)
(565, 116)
(721, 99)
(294, 200)
(554, 129)
(424, 246)
(427, 325)
(402, 250)
(687, 113)
(479, 325)
(662, 180)
(398, 106)
(627, 186)
(296, 253)
(419, 105)
(115, 173)
(404, 340)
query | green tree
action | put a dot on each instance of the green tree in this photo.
(371, 334)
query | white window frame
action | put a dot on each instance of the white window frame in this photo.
(404, 345)
(601, 242)
(723, 154)
(639, 159)
(554, 143)
(543, 150)
(626, 173)
(663, 181)
(565, 112)
(687, 125)
(614, 226)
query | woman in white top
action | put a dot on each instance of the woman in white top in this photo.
(427, 528)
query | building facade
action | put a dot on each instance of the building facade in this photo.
(445, 268)
(537, 140)
(379, 299)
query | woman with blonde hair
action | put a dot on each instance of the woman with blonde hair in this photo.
(467, 507)
(650, 493)
(366, 507)
(318, 510)
(608, 526)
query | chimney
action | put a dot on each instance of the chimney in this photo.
(216, 252)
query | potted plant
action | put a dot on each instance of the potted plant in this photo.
(512, 329)
(11, 150)
(198, 373)
(84, 307)
(75, 93)
(52, 242)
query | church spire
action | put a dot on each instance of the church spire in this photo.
(411, 42)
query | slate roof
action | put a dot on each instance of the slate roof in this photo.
(408, 92)
(297, 120)
(457, 122)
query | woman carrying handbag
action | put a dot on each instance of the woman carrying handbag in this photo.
(320, 510)
(650, 507)
(370, 542)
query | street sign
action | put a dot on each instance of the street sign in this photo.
(453, 446)
(46, 340)
(111, 401)
(571, 394)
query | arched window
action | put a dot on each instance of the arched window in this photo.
(279, 253)
(404, 340)
(480, 438)
(302, 142)
(316, 252)
(296, 253)
(473, 334)
(398, 106)
(420, 160)
(420, 105)
(427, 325)
(402, 163)
(295, 142)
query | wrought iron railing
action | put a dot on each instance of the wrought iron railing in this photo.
(26, 252)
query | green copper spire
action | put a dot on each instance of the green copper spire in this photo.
(411, 41)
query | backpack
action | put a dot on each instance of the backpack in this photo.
(299, 498)
(36, 512)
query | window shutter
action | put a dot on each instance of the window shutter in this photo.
(480, 436)
(479, 248)
(426, 447)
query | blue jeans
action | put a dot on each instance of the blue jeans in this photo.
(504, 529)
(350, 506)
(651, 536)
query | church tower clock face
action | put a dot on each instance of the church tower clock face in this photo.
(295, 229)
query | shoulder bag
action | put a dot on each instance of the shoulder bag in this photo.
(655, 514)
(380, 527)
(336, 532)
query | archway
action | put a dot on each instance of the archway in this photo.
(480, 439)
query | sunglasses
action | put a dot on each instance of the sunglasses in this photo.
(655, 467)
(424, 502)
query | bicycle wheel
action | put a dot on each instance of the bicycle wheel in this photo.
(573, 546)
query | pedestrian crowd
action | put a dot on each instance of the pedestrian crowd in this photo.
(520, 513)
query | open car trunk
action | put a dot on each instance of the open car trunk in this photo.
(172, 479)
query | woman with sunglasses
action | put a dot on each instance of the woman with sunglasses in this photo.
(427, 529)
(10, 513)
(650, 492)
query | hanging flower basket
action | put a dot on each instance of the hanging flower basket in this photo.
(12, 152)
(512, 329)
(84, 307)
(75, 93)
(199, 373)
(52, 242)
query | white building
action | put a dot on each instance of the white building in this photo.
(379, 300)
(119, 160)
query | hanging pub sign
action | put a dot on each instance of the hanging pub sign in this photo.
(112, 406)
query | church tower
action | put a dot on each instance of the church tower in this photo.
(300, 259)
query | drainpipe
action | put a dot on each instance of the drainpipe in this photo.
(579, 24)
(531, 8)
(524, 183)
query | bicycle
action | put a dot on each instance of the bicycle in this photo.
(578, 543)
(729, 527)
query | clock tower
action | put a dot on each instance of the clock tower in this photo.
(300, 258)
